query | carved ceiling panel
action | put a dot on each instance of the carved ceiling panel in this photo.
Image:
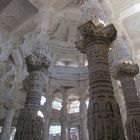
(16, 13)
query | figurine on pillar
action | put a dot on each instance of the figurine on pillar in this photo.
(104, 119)
(30, 124)
(126, 72)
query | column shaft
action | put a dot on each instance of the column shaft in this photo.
(126, 73)
(30, 123)
(104, 120)
(64, 117)
(48, 114)
(83, 119)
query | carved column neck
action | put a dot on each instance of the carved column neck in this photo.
(92, 10)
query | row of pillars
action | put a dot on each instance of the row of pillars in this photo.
(65, 129)
(64, 119)
(103, 115)
(104, 119)
(65, 126)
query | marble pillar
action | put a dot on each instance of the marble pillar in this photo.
(10, 111)
(83, 119)
(104, 119)
(47, 115)
(64, 116)
(126, 72)
(30, 124)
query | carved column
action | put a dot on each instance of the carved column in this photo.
(104, 120)
(48, 115)
(64, 116)
(83, 119)
(126, 72)
(30, 124)
(10, 111)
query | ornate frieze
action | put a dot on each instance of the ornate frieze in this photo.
(104, 120)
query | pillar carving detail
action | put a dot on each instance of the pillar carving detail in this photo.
(92, 10)
(10, 111)
(125, 72)
(104, 119)
(30, 124)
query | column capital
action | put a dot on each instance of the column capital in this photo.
(92, 32)
(39, 59)
(125, 70)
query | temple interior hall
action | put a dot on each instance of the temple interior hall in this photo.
(69, 70)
